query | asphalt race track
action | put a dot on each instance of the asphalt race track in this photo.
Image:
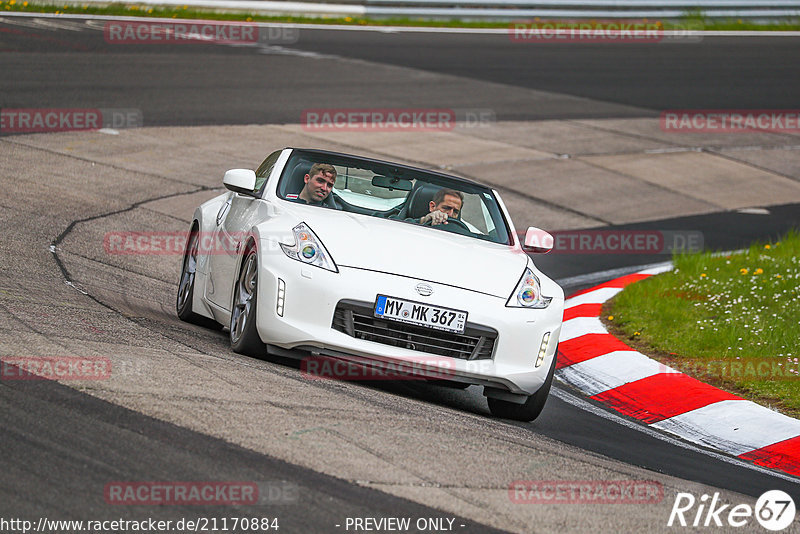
(185, 408)
(274, 82)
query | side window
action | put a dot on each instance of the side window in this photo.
(265, 169)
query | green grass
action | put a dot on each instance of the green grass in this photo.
(730, 320)
(694, 20)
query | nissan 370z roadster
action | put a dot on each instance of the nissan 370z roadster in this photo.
(364, 262)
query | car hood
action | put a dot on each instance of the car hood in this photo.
(424, 253)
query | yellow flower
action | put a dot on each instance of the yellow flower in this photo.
(637, 333)
(150, 10)
(348, 19)
(778, 276)
(24, 4)
(610, 317)
(758, 271)
(767, 247)
(743, 271)
(702, 275)
(12, 2)
(249, 19)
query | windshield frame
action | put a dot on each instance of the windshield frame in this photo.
(493, 204)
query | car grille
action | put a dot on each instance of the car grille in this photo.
(356, 319)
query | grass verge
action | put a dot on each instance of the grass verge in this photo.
(692, 21)
(729, 320)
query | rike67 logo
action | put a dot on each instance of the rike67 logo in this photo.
(774, 510)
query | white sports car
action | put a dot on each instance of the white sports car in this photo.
(355, 276)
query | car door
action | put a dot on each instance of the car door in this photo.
(234, 220)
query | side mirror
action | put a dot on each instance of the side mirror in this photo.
(537, 241)
(240, 180)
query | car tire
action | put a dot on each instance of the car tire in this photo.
(244, 335)
(185, 297)
(532, 407)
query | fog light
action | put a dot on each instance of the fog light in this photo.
(281, 296)
(542, 349)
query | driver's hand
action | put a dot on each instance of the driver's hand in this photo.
(435, 217)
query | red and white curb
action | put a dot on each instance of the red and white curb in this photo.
(609, 371)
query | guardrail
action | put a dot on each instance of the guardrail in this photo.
(579, 9)
(502, 9)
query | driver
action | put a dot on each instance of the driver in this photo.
(318, 184)
(446, 203)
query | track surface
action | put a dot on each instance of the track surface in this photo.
(43, 467)
(273, 83)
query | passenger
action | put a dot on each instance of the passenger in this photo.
(446, 203)
(318, 184)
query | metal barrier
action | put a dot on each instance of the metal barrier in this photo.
(500, 9)
(581, 9)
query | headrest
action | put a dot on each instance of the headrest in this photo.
(419, 203)
(296, 179)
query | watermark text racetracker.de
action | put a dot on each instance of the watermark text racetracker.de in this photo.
(585, 492)
(54, 368)
(172, 243)
(196, 32)
(730, 120)
(39, 120)
(618, 241)
(635, 31)
(200, 493)
(394, 119)
(733, 369)
(357, 368)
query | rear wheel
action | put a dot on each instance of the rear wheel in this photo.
(244, 336)
(183, 304)
(532, 407)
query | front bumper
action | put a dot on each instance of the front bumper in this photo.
(311, 296)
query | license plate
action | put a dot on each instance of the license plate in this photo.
(418, 313)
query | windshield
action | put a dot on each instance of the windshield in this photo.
(393, 192)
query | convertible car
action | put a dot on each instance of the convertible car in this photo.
(357, 277)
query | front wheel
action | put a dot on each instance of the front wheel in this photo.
(183, 304)
(244, 335)
(532, 407)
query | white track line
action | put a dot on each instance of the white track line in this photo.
(383, 29)
(734, 426)
(611, 370)
(597, 296)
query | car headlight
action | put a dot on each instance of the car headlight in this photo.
(307, 248)
(528, 293)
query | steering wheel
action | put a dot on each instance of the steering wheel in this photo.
(455, 226)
